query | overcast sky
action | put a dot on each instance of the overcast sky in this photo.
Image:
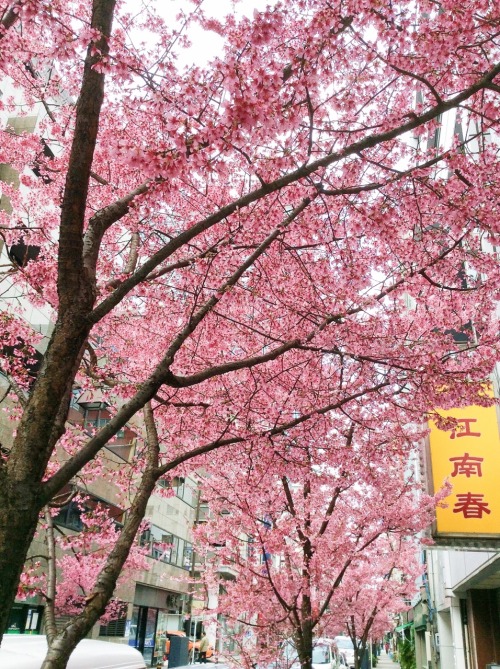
(207, 45)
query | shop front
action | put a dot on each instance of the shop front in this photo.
(155, 612)
(25, 619)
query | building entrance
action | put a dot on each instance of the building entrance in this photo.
(25, 619)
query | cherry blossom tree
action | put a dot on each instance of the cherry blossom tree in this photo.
(252, 248)
(379, 588)
(319, 548)
(64, 576)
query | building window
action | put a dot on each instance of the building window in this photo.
(18, 125)
(94, 424)
(24, 619)
(167, 547)
(70, 515)
(188, 555)
(184, 490)
(75, 396)
(114, 627)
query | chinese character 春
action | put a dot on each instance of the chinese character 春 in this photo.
(467, 432)
(471, 505)
(466, 464)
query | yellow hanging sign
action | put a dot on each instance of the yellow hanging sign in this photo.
(469, 459)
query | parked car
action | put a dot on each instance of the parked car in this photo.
(325, 655)
(26, 651)
(346, 648)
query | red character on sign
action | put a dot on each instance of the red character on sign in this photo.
(467, 465)
(467, 432)
(471, 505)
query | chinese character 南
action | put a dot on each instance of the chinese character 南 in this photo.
(471, 505)
(466, 464)
(467, 431)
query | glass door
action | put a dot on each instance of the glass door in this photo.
(149, 635)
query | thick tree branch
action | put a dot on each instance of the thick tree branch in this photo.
(73, 283)
(340, 576)
(21, 394)
(95, 604)
(102, 221)
(329, 511)
(11, 16)
(50, 609)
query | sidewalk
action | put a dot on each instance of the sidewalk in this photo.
(385, 662)
(215, 665)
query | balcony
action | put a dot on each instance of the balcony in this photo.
(228, 570)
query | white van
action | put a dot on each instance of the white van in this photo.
(346, 647)
(326, 654)
(26, 651)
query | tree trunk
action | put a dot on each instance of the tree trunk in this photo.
(43, 420)
(50, 607)
(304, 643)
(19, 507)
(21, 490)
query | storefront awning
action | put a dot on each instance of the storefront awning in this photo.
(400, 628)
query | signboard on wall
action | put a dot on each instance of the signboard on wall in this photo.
(469, 459)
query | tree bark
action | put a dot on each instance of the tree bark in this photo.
(306, 630)
(19, 505)
(50, 607)
(10, 16)
(43, 421)
(304, 640)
